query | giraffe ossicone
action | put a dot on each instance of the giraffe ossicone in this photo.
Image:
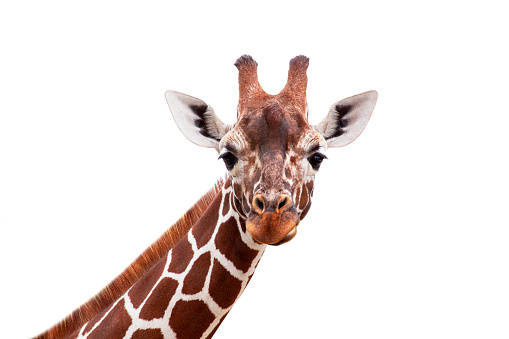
(186, 283)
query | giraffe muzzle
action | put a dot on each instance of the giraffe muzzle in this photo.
(272, 221)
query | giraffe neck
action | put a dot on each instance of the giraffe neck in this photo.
(187, 293)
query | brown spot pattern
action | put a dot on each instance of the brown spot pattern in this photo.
(246, 203)
(308, 190)
(195, 279)
(238, 206)
(181, 256)
(293, 160)
(151, 333)
(288, 174)
(304, 212)
(237, 189)
(304, 197)
(204, 228)
(190, 319)
(115, 324)
(138, 268)
(226, 204)
(156, 304)
(229, 242)
(227, 183)
(310, 186)
(224, 287)
(142, 288)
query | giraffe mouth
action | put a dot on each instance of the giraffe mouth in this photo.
(288, 237)
(273, 228)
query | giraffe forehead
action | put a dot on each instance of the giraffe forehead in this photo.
(270, 131)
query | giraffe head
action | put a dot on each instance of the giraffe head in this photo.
(272, 153)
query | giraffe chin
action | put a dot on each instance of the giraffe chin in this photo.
(272, 228)
(287, 237)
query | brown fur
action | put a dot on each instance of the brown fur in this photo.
(134, 272)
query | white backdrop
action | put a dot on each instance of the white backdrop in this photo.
(408, 234)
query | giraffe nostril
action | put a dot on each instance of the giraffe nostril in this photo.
(259, 204)
(278, 205)
(282, 204)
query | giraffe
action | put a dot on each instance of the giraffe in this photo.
(184, 285)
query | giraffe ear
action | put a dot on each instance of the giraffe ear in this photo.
(196, 120)
(347, 119)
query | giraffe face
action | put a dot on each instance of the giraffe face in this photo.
(271, 153)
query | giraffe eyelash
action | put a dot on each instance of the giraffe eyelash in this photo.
(229, 159)
(316, 160)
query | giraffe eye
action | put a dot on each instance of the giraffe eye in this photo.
(229, 160)
(316, 160)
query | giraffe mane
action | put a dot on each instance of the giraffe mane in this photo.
(137, 269)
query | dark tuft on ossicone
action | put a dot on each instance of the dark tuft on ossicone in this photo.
(245, 61)
(300, 61)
